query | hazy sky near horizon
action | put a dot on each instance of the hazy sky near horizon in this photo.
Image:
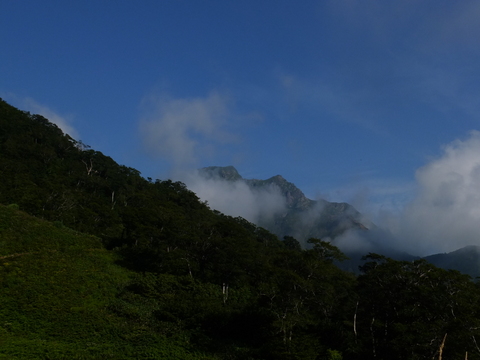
(347, 99)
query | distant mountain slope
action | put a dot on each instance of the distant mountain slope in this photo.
(465, 260)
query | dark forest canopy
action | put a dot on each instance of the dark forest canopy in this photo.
(98, 262)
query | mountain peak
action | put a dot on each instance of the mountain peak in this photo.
(301, 217)
(294, 196)
(220, 172)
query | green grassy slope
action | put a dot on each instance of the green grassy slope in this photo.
(57, 287)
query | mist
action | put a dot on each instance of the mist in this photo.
(236, 198)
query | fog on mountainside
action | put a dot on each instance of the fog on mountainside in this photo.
(282, 208)
(224, 193)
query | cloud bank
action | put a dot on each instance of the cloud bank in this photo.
(445, 213)
(439, 213)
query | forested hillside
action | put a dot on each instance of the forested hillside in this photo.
(98, 262)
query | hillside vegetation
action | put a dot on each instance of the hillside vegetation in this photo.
(98, 262)
(59, 293)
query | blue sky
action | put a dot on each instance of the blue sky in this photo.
(347, 99)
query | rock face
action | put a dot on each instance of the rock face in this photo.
(294, 197)
(220, 172)
(302, 218)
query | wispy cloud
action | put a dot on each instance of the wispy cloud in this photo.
(456, 25)
(430, 50)
(332, 101)
(374, 196)
(392, 57)
(64, 122)
(184, 131)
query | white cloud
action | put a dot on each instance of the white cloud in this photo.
(183, 131)
(445, 214)
(440, 212)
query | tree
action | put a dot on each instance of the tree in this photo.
(406, 308)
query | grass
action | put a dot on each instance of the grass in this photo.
(56, 289)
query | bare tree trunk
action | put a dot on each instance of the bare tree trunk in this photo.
(225, 293)
(373, 337)
(113, 199)
(440, 350)
(355, 322)
(89, 168)
(189, 268)
(475, 342)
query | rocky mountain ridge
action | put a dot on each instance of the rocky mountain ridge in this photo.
(303, 218)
